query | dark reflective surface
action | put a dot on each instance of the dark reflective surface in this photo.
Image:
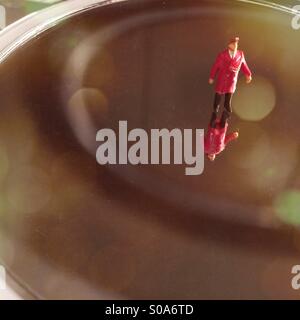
(71, 228)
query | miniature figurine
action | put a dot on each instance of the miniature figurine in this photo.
(226, 68)
(216, 139)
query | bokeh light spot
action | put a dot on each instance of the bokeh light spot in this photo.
(92, 100)
(28, 190)
(287, 207)
(256, 101)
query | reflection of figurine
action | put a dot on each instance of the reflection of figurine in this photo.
(216, 139)
(226, 68)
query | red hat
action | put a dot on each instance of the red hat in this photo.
(234, 40)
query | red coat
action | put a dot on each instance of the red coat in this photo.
(227, 70)
(216, 139)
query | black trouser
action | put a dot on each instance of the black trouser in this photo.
(227, 109)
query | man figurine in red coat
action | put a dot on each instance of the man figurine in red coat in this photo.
(226, 69)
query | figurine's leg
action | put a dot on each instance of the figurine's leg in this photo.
(227, 109)
(214, 115)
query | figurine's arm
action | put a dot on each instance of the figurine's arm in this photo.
(246, 70)
(230, 137)
(215, 68)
